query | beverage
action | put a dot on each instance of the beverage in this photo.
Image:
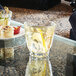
(39, 39)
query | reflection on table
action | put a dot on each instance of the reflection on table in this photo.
(38, 67)
(13, 64)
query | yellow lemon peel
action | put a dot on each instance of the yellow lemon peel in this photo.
(44, 45)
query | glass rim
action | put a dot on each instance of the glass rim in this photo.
(47, 24)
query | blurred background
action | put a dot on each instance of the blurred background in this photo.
(41, 11)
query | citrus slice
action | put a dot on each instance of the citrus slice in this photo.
(37, 37)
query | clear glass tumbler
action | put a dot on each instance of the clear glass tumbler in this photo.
(39, 38)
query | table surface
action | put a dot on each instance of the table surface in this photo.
(23, 65)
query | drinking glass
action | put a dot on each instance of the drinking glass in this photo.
(39, 38)
(5, 18)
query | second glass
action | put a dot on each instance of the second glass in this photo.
(5, 17)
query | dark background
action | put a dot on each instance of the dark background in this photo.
(68, 0)
(35, 4)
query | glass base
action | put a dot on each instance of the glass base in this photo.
(39, 55)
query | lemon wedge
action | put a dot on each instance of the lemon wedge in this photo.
(6, 22)
(37, 37)
(1, 22)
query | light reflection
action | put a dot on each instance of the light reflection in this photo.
(38, 67)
